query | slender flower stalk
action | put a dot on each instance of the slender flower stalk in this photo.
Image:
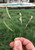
(20, 17)
(29, 21)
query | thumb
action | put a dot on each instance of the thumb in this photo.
(17, 45)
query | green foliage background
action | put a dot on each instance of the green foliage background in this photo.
(7, 36)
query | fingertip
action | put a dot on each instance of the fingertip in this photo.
(11, 44)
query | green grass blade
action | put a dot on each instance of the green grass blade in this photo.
(8, 13)
(7, 26)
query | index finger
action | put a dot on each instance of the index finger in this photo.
(28, 44)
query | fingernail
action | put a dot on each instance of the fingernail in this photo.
(17, 43)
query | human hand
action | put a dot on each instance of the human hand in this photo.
(22, 44)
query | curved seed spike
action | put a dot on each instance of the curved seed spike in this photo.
(7, 26)
(8, 12)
